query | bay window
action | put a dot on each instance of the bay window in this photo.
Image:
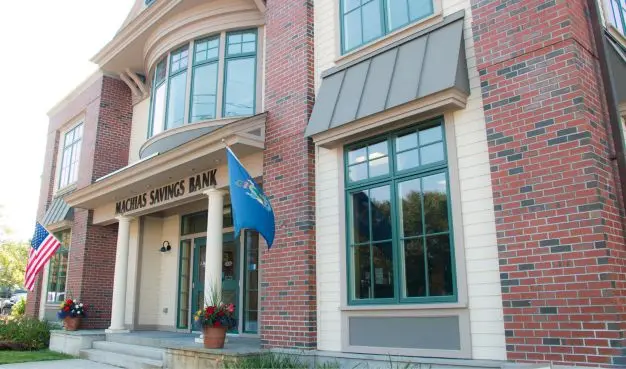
(400, 244)
(204, 64)
(366, 20)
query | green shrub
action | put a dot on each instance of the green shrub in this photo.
(19, 308)
(24, 333)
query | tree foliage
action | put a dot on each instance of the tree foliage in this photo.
(13, 258)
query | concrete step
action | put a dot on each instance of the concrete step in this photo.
(120, 360)
(133, 350)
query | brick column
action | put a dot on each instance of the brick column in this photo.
(559, 221)
(288, 307)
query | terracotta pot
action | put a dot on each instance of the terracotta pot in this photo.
(71, 324)
(214, 337)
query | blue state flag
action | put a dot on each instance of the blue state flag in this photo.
(251, 208)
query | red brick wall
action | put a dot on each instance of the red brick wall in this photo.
(560, 231)
(288, 309)
(105, 149)
(107, 110)
(45, 196)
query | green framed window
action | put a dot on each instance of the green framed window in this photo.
(159, 87)
(177, 88)
(363, 21)
(400, 243)
(204, 82)
(617, 14)
(204, 62)
(240, 73)
(70, 156)
(57, 272)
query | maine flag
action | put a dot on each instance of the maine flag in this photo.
(251, 208)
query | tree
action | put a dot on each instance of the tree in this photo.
(13, 258)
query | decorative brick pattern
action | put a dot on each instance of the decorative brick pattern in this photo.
(560, 230)
(288, 308)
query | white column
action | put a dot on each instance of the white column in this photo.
(213, 256)
(213, 269)
(118, 308)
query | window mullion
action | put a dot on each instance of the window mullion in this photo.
(221, 70)
(371, 239)
(395, 232)
(424, 246)
(190, 57)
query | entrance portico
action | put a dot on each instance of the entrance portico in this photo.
(151, 202)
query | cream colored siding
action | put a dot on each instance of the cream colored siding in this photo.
(479, 232)
(139, 130)
(150, 276)
(328, 250)
(169, 272)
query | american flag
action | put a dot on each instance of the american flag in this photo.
(43, 246)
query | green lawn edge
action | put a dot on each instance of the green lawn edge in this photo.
(14, 357)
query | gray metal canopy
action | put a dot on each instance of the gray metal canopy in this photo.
(58, 211)
(420, 65)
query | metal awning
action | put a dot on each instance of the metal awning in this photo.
(58, 211)
(617, 61)
(420, 65)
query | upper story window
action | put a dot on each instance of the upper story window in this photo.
(149, 2)
(617, 14)
(400, 244)
(366, 20)
(70, 156)
(186, 87)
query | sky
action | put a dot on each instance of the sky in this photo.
(45, 47)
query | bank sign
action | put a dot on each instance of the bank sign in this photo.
(165, 194)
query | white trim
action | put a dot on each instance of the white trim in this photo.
(56, 191)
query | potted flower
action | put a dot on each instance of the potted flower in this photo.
(71, 312)
(215, 319)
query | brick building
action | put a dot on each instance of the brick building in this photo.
(448, 177)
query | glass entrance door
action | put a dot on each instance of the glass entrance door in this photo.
(199, 267)
(230, 274)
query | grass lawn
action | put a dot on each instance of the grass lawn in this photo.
(11, 357)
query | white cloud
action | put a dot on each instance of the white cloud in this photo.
(45, 47)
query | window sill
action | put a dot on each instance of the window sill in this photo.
(388, 39)
(617, 35)
(65, 190)
(397, 307)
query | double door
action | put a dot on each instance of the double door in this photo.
(239, 280)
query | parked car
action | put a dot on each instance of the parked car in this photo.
(7, 305)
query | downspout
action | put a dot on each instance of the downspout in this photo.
(613, 107)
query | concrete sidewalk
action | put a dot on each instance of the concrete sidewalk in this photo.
(59, 364)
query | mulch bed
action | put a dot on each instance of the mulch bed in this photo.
(8, 345)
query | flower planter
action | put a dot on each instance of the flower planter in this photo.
(71, 324)
(214, 337)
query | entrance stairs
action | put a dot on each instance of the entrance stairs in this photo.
(125, 352)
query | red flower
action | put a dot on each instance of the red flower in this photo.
(231, 308)
(220, 313)
(67, 308)
(210, 310)
(217, 324)
(68, 301)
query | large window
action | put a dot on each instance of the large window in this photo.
(175, 104)
(366, 20)
(57, 275)
(617, 14)
(70, 156)
(400, 244)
